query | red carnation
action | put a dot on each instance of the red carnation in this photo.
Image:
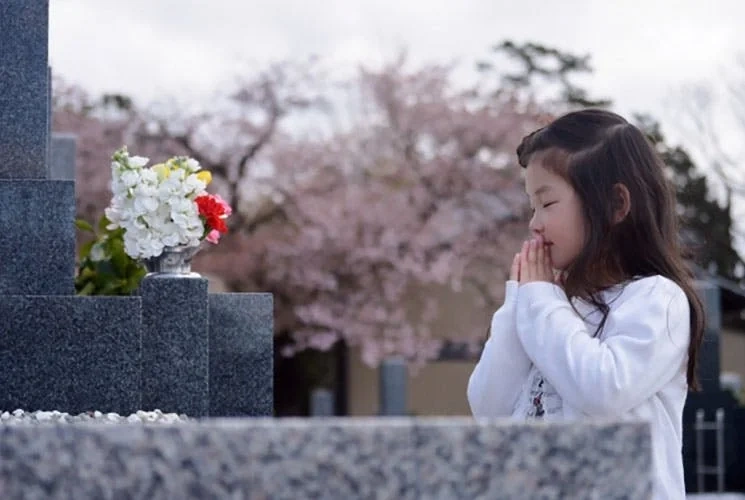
(214, 211)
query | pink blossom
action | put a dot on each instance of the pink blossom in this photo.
(213, 236)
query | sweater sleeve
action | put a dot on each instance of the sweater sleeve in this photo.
(503, 367)
(644, 344)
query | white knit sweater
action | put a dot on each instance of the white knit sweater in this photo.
(542, 361)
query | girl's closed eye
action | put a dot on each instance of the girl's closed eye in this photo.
(546, 205)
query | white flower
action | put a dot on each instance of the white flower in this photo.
(138, 161)
(144, 205)
(155, 210)
(195, 185)
(130, 246)
(176, 176)
(193, 165)
(145, 191)
(149, 176)
(181, 205)
(129, 178)
(139, 224)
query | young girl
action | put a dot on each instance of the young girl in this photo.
(600, 317)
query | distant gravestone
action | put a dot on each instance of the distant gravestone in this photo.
(709, 357)
(321, 403)
(393, 381)
(62, 151)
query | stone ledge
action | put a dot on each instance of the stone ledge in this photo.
(336, 458)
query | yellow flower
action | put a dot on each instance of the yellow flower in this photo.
(204, 176)
(162, 170)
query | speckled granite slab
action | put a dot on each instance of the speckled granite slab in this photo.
(70, 353)
(464, 459)
(24, 89)
(337, 458)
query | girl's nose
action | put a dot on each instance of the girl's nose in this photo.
(535, 226)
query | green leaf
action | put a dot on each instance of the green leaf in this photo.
(84, 225)
(106, 270)
(87, 273)
(88, 289)
(116, 274)
(102, 223)
(120, 263)
(108, 288)
(85, 249)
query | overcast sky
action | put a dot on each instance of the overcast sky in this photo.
(642, 50)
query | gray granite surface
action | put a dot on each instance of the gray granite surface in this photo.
(175, 344)
(383, 458)
(24, 117)
(562, 460)
(73, 354)
(37, 248)
(241, 349)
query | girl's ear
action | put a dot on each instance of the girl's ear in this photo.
(621, 202)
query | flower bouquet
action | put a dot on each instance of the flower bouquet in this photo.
(163, 207)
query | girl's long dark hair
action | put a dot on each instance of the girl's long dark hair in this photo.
(595, 150)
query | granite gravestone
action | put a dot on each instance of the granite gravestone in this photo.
(58, 351)
(113, 354)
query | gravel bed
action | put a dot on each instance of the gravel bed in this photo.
(20, 417)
